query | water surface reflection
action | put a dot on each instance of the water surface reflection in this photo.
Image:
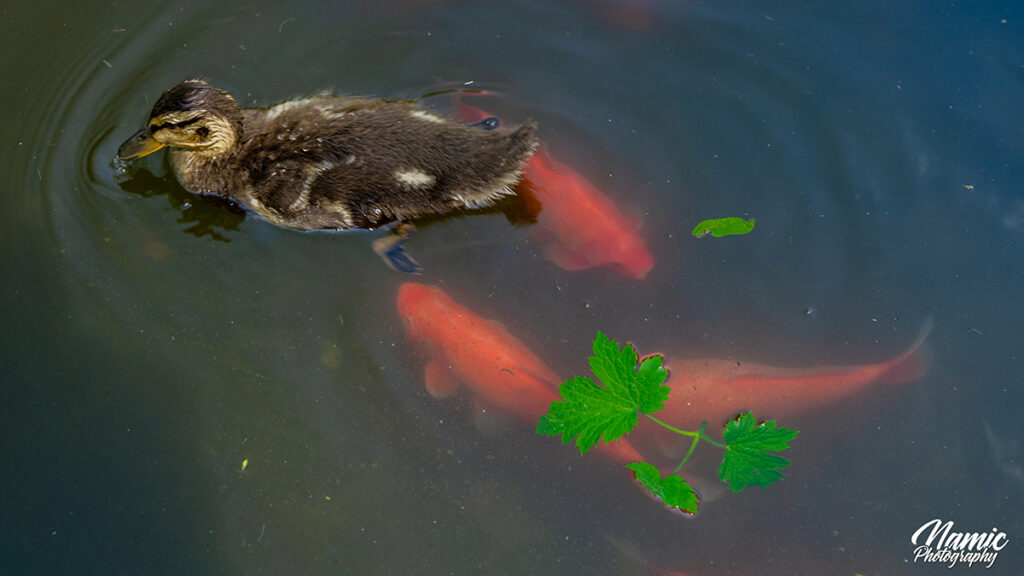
(157, 340)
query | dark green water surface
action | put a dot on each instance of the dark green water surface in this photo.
(153, 341)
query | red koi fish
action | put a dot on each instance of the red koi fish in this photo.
(467, 349)
(578, 225)
(717, 390)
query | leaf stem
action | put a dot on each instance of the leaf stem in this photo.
(709, 439)
(669, 426)
(693, 445)
(699, 433)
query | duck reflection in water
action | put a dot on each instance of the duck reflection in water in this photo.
(206, 216)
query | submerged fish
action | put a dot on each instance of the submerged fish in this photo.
(717, 390)
(578, 225)
(480, 354)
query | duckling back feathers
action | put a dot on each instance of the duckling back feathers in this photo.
(329, 162)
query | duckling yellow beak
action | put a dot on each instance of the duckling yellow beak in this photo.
(140, 144)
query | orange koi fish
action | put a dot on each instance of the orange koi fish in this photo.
(578, 225)
(718, 390)
(466, 349)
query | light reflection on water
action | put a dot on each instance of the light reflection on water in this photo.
(168, 339)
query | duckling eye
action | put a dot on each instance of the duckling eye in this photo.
(202, 132)
(173, 125)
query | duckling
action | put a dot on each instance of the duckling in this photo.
(331, 162)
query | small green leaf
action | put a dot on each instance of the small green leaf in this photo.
(589, 412)
(650, 375)
(747, 461)
(719, 227)
(613, 366)
(672, 490)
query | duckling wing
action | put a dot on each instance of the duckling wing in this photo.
(283, 188)
(378, 181)
(377, 162)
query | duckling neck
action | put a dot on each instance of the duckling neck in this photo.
(201, 169)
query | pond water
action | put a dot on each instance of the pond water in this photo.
(190, 390)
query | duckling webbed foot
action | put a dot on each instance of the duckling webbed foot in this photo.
(391, 250)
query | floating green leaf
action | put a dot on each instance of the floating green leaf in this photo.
(589, 412)
(671, 489)
(747, 461)
(723, 227)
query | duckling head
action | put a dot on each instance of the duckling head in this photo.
(192, 116)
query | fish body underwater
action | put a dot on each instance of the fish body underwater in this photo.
(578, 225)
(717, 390)
(466, 349)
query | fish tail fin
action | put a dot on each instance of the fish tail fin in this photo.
(914, 362)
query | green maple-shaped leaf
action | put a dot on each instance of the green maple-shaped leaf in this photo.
(747, 461)
(672, 490)
(589, 412)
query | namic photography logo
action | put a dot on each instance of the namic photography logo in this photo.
(936, 542)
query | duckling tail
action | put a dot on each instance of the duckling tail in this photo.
(503, 160)
(522, 142)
